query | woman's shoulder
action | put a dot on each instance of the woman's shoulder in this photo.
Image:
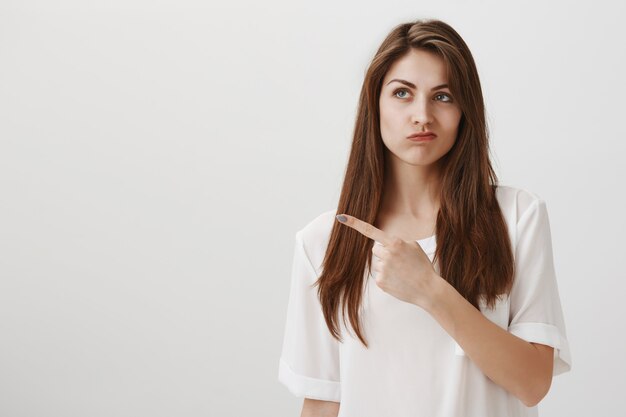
(315, 234)
(515, 201)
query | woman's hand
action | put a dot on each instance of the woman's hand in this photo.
(403, 268)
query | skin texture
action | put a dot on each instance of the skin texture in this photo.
(318, 408)
(413, 181)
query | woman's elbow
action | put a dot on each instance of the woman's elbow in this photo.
(537, 392)
(319, 408)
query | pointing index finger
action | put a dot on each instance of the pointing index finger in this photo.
(366, 229)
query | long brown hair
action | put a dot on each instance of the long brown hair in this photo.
(473, 246)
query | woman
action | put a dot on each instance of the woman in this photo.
(445, 277)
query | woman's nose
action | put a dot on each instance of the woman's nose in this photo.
(422, 113)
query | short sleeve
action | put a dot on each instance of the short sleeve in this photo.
(535, 307)
(309, 362)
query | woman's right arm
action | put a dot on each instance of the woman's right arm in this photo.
(319, 408)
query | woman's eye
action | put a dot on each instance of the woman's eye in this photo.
(446, 95)
(402, 90)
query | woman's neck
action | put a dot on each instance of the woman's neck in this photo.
(412, 190)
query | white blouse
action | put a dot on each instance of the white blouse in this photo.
(413, 367)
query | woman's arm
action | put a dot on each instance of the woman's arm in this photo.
(522, 368)
(319, 408)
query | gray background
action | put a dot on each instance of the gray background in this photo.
(157, 158)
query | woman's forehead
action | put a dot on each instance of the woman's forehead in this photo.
(419, 69)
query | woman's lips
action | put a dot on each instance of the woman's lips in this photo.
(426, 138)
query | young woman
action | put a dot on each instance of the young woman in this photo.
(445, 276)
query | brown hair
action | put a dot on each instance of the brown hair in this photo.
(473, 246)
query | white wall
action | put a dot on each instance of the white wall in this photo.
(156, 159)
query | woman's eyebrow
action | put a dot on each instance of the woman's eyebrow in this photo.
(410, 84)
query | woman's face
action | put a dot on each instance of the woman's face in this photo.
(417, 103)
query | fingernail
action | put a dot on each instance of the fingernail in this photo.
(341, 218)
